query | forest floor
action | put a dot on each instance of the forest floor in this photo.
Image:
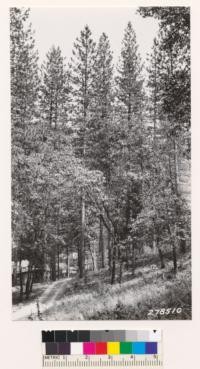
(94, 298)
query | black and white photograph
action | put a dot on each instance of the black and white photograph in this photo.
(101, 161)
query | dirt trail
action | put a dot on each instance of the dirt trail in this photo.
(46, 300)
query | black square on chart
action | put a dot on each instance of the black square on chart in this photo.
(60, 336)
(72, 336)
(47, 336)
(84, 336)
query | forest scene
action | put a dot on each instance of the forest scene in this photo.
(101, 214)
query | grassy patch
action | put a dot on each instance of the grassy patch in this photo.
(132, 299)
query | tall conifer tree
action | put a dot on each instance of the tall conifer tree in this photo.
(129, 107)
(100, 131)
(24, 75)
(24, 93)
(54, 90)
(82, 74)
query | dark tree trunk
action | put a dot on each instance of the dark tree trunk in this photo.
(58, 263)
(43, 255)
(127, 256)
(31, 284)
(67, 262)
(109, 251)
(174, 253)
(174, 256)
(81, 248)
(162, 264)
(133, 258)
(53, 267)
(121, 270)
(21, 281)
(182, 243)
(101, 244)
(94, 259)
(28, 281)
(113, 271)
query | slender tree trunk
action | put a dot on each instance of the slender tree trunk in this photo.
(161, 258)
(174, 253)
(67, 261)
(174, 256)
(28, 281)
(174, 235)
(101, 243)
(93, 261)
(44, 253)
(113, 271)
(58, 263)
(53, 266)
(68, 266)
(21, 281)
(31, 283)
(94, 258)
(127, 256)
(120, 271)
(182, 242)
(81, 249)
(133, 258)
(109, 251)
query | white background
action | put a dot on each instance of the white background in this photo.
(181, 338)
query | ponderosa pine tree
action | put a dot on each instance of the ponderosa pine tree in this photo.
(154, 163)
(130, 98)
(174, 30)
(24, 75)
(129, 81)
(24, 92)
(102, 106)
(100, 123)
(81, 75)
(54, 96)
(130, 102)
(173, 84)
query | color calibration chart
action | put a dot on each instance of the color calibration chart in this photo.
(102, 349)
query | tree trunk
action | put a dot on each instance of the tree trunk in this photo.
(58, 263)
(173, 241)
(101, 244)
(31, 283)
(127, 256)
(21, 281)
(44, 245)
(161, 258)
(109, 251)
(160, 253)
(68, 266)
(174, 256)
(81, 248)
(67, 262)
(182, 243)
(121, 270)
(133, 258)
(113, 271)
(28, 281)
(53, 267)
(94, 258)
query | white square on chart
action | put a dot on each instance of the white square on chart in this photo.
(155, 336)
(76, 348)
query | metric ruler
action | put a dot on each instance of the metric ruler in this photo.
(110, 362)
(102, 349)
